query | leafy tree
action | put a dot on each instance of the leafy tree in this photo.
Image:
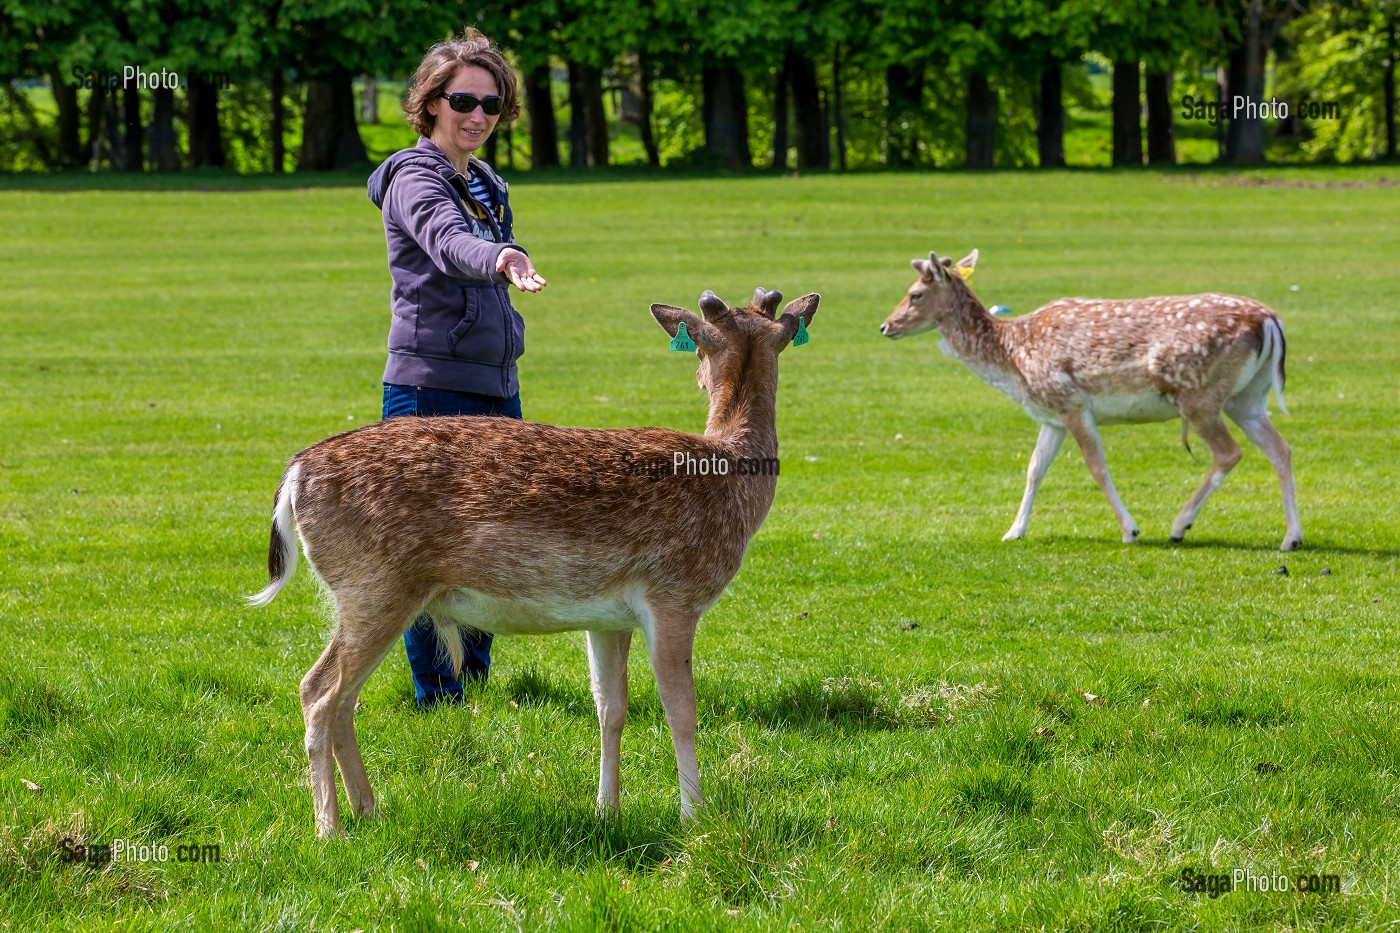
(1345, 54)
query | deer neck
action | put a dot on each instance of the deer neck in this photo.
(975, 337)
(743, 420)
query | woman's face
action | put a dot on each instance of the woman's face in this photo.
(460, 134)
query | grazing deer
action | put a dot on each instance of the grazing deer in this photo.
(520, 528)
(1078, 363)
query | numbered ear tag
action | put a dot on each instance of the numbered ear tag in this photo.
(801, 337)
(965, 272)
(682, 341)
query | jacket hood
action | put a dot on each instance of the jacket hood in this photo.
(425, 154)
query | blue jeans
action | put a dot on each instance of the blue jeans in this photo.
(433, 679)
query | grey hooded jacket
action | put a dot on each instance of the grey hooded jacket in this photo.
(453, 325)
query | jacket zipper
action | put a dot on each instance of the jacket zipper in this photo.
(507, 325)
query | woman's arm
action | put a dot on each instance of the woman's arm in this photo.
(421, 203)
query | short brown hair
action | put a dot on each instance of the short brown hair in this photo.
(442, 62)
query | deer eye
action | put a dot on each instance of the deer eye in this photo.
(915, 296)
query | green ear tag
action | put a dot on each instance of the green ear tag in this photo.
(801, 336)
(682, 341)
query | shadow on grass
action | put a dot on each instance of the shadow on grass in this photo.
(813, 704)
(1308, 548)
(30, 707)
(1207, 543)
(552, 832)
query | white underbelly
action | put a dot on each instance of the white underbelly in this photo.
(1135, 408)
(532, 615)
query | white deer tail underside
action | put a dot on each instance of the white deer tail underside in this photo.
(450, 638)
(282, 544)
(1274, 351)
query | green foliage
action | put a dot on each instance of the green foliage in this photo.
(1336, 50)
(1339, 55)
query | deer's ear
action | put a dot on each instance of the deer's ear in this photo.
(968, 262)
(671, 317)
(803, 309)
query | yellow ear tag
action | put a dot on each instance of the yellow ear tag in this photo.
(964, 271)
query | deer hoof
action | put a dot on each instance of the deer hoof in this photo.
(1177, 539)
(1291, 544)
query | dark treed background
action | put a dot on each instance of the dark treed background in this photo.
(313, 85)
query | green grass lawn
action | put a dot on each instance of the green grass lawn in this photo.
(896, 723)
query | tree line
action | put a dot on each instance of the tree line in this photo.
(739, 83)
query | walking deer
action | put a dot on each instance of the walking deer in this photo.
(1078, 363)
(520, 528)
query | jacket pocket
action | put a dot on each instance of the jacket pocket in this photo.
(471, 313)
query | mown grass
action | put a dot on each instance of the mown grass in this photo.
(904, 722)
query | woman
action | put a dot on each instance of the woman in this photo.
(454, 337)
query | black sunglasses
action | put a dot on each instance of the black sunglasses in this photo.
(466, 103)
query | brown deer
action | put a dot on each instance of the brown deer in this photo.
(520, 528)
(1078, 363)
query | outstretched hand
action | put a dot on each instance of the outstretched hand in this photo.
(521, 272)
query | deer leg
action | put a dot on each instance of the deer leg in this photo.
(1081, 427)
(317, 689)
(1254, 422)
(347, 747)
(329, 688)
(1046, 447)
(1225, 453)
(607, 663)
(671, 638)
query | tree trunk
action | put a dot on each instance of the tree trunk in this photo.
(369, 101)
(726, 115)
(112, 132)
(162, 132)
(839, 106)
(982, 104)
(206, 140)
(544, 133)
(780, 117)
(578, 121)
(644, 109)
(134, 160)
(1127, 114)
(65, 96)
(1050, 122)
(1288, 125)
(96, 132)
(492, 146)
(809, 127)
(904, 88)
(277, 84)
(595, 118)
(330, 140)
(1161, 132)
(1249, 138)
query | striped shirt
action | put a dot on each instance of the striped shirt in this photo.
(480, 191)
